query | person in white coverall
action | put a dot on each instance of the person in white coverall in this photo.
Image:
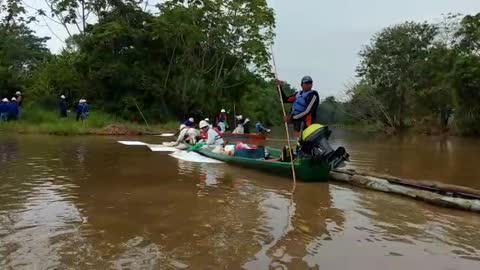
(211, 136)
(187, 135)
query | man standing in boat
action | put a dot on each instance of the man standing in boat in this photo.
(222, 121)
(305, 104)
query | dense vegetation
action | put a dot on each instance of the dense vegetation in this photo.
(192, 58)
(417, 75)
(188, 58)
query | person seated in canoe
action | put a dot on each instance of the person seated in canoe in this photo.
(239, 129)
(187, 136)
(246, 126)
(222, 121)
(261, 129)
(305, 104)
(210, 135)
(208, 121)
(190, 122)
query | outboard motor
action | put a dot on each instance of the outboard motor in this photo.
(314, 144)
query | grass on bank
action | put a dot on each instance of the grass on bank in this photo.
(40, 121)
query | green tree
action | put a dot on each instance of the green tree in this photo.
(365, 106)
(466, 76)
(21, 51)
(390, 64)
(57, 76)
(435, 94)
(468, 34)
(193, 56)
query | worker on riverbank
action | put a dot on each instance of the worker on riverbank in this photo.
(19, 98)
(85, 110)
(63, 106)
(222, 120)
(305, 104)
(4, 110)
(78, 109)
(13, 110)
(212, 137)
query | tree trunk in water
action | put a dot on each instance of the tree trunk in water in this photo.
(433, 193)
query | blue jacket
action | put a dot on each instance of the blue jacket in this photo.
(63, 105)
(302, 101)
(13, 109)
(3, 107)
(188, 123)
(85, 108)
(260, 128)
(79, 108)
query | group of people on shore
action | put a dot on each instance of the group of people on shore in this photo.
(11, 109)
(82, 109)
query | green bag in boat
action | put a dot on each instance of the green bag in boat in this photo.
(258, 153)
(196, 147)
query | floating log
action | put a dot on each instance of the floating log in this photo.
(431, 192)
(446, 189)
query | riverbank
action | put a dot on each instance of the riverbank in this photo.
(38, 121)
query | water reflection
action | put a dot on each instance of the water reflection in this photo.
(89, 203)
(210, 174)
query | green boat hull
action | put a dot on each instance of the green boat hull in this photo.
(305, 169)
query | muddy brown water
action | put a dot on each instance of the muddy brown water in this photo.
(90, 203)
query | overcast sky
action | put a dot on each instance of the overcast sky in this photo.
(322, 38)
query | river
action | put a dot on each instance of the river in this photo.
(91, 203)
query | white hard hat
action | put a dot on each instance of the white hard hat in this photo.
(222, 110)
(5, 99)
(203, 124)
(14, 99)
(62, 97)
(191, 119)
(206, 119)
(182, 126)
(247, 120)
(239, 117)
(18, 93)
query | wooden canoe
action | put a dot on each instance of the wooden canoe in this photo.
(306, 170)
(244, 137)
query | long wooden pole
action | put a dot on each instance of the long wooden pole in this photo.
(140, 111)
(286, 124)
(234, 116)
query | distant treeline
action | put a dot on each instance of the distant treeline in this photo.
(185, 58)
(417, 75)
(193, 58)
